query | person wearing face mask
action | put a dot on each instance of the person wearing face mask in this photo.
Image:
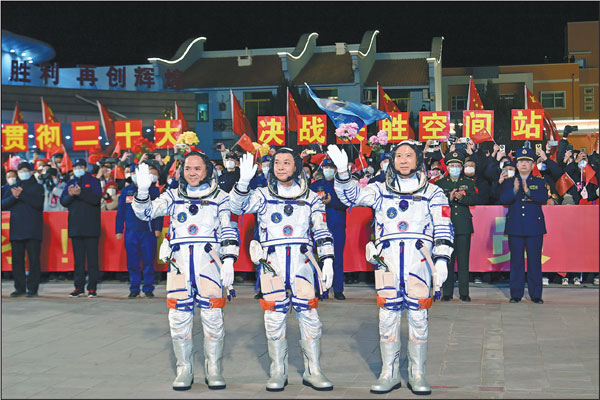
(110, 197)
(584, 191)
(11, 181)
(53, 190)
(231, 174)
(25, 201)
(140, 236)
(260, 180)
(81, 197)
(384, 164)
(482, 186)
(524, 194)
(336, 222)
(461, 195)
(507, 171)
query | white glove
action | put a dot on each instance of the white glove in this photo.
(227, 272)
(339, 158)
(441, 271)
(328, 272)
(144, 180)
(247, 171)
(165, 251)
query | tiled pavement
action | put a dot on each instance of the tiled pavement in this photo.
(111, 347)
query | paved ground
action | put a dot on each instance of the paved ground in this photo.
(111, 347)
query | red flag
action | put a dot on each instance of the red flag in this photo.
(179, 116)
(590, 175)
(47, 114)
(292, 113)
(360, 163)
(385, 103)
(173, 169)
(241, 125)
(563, 184)
(53, 150)
(474, 101)
(66, 164)
(482, 136)
(533, 103)
(593, 140)
(365, 148)
(117, 150)
(535, 171)
(318, 158)
(118, 172)
(18, 115)
(108, 122)
(245, 143)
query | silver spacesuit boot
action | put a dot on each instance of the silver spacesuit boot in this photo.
(311, 350)
(213, 353)
(278, 351)
(417, 356)
(185, 364)
(389, 379)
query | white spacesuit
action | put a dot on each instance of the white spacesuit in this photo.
(289, 218)
(412, 218)
(200, 231)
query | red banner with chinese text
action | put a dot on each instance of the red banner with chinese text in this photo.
(166, 132)
(434, 125)
(47, 135)
(397, 129)
(271, 130)
(14, 138)
(126, 132)
(476, 121)
(312, 129)
(527, 125)
(85, 134)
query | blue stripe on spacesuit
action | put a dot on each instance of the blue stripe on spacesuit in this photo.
(192, 271)
(210, 279)
(288, 262)
(402, 265)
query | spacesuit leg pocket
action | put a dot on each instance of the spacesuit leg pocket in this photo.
(385, 284)
(178, 297)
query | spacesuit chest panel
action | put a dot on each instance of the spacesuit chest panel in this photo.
(194, 221)
(403, 214)
(284, 219)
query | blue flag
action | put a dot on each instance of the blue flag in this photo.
(345, 112)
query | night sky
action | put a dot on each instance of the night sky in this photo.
(476, 33)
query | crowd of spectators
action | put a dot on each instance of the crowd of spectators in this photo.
(487, 164)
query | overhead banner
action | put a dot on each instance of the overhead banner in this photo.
(476, 121)
(14, 138)
(527, 125)
(397, 129)
(434, 125)
(564, 250)
(312, 129)
(85, 134)
(271, 130)
(166, 132)
(126, 132)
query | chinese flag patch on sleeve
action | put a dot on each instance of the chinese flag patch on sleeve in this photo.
(446, 211)
(324, 217)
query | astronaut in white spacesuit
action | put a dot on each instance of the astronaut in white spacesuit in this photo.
(290, 217)
(202, 245)
(412, 218)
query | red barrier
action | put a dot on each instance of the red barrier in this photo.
(571, 244)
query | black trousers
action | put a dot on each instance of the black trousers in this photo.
(33, 247)
(462, 250)
(85, 247)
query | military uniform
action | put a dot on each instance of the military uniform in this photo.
(463, 228)
(525, 227)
